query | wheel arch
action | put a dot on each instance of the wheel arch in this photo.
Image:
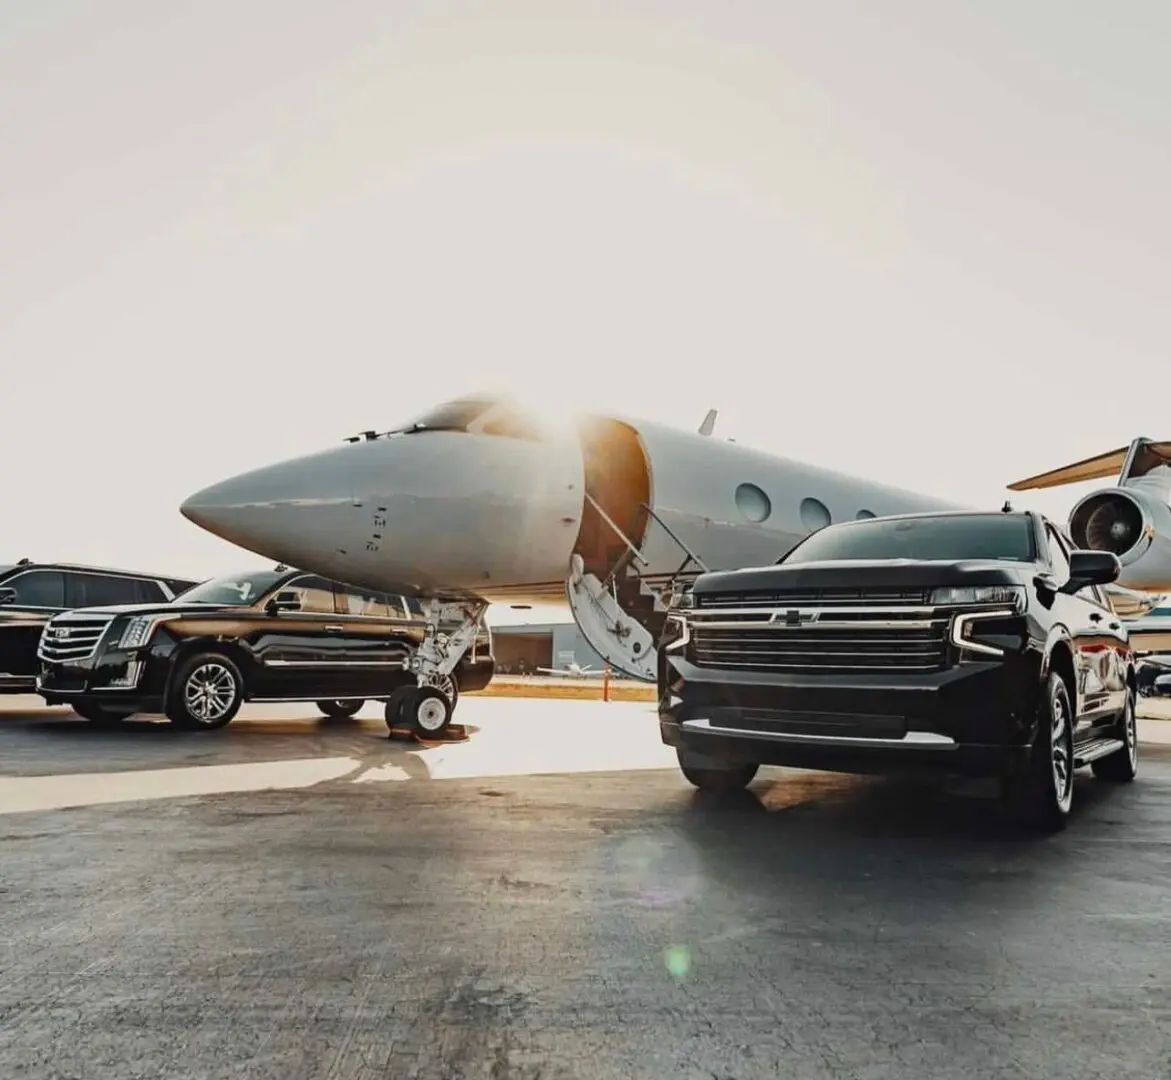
(1059, 658)
(229, 648)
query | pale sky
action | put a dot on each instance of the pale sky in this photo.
(927, 242)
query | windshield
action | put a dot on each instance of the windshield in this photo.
(961, 536)
(240, 589)
(450, 416)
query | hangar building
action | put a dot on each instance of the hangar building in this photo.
(537, 645)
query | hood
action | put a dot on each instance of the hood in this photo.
(907, 574)
(154, 609)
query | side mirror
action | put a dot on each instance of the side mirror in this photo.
(7, 596)
(283, 601)
(1091, 568)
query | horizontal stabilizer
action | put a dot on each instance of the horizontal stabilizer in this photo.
(709, 422)
(1142, 455)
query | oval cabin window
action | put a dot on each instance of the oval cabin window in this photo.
(753, 503)
(814, 514)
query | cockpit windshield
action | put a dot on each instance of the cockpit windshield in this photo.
(477, 415)
(239, 590)
(450, 416)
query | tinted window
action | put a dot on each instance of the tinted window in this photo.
(315, 594)
(963, 536)
(414, 607)
(148, 592)
(38, 588)
(98, 590)
(241, 589)
(351, 601)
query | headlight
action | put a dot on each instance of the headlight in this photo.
(1008, 596)
(681, 601)
(138, 631)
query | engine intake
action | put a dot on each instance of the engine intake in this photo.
(1133, 524)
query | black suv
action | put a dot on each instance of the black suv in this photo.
(274, 635)
(968, 643)
(32, 593)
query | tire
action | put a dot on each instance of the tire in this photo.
(99, 714)
(206, 692)
(449, 684)
(340, 710)
(1121, 767)
(722, 780)
(1042, 796)
(428, 711)
(394, 711)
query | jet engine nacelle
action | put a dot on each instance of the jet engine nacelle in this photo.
(1133, 523)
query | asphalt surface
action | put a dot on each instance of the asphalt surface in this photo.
(551, 900)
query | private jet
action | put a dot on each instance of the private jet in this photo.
(481, 500)
(573, 671)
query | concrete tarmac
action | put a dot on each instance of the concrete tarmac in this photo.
(550, 900)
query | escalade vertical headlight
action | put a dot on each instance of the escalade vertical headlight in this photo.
(138, 631)
(1006, 596)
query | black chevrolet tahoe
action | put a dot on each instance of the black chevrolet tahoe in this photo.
(977, 644)
(276, 635)
(32, 593)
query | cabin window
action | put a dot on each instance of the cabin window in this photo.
(864, 515)
(753, 503)
(815, 514)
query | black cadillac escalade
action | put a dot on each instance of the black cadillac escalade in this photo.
(967, 643)
(276, 635)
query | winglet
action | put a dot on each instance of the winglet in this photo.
(709, 422)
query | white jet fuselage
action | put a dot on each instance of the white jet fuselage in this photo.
(496, 509)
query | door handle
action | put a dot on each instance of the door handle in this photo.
(333, 629)
(1095, 617)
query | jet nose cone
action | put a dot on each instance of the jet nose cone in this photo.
(265, 510)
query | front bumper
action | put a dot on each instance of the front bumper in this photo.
(126, 679)
(969, 719)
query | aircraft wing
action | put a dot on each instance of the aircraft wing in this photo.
(1095, 468)
(1146, 456)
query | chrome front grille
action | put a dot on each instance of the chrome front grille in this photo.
(789, 598)
(72, 637)
(856, 634)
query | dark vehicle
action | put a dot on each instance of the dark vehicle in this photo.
(1154, 675)
(969, 643)
(274, 635)
(32, 593)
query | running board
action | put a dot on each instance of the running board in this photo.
(625, 644)
(1095, 750)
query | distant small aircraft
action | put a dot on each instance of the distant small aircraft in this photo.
(573, 671)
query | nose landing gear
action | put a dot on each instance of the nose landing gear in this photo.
(426, 708)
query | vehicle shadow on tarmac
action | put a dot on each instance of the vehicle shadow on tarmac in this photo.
(793, 805)
(40, 743)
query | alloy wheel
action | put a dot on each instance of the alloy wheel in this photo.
(209, 692)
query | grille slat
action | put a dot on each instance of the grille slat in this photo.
(834, 631)
(810, 597)
(72, 637)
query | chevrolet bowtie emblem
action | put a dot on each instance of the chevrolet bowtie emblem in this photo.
(795, 617)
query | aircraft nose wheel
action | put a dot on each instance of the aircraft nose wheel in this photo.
(426, 710)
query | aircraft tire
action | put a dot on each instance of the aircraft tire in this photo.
(428, 711)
